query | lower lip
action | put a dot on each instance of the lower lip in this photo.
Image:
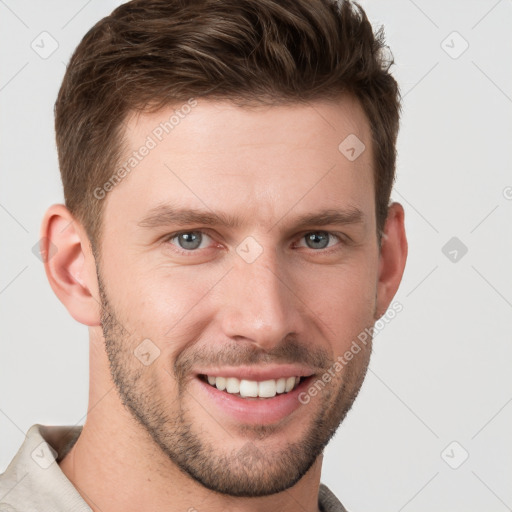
(255, 411)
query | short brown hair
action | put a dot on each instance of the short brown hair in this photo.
(152, 53)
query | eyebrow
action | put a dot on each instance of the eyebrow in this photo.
(165, 215)
(350, 215)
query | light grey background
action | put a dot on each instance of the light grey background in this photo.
(441, 369)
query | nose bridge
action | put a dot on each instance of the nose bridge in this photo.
(260, 305)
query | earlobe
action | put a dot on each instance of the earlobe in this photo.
(392, 259)
(69, 264)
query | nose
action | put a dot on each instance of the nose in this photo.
(260, 304)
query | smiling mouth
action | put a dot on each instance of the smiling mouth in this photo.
(251, 388)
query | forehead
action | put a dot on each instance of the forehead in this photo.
(262, 161)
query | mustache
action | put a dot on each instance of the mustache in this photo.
(289, 352)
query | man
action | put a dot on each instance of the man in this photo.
(227, 237)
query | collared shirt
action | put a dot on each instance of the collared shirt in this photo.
(34, 482)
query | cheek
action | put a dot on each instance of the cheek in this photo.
(165, 304)
(345, 302)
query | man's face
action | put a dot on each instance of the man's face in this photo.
(241, 251)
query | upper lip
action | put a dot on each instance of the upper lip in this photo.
(258, 373)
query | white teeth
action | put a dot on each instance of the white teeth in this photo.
(220, 382)
(248, 388)
(232, 385)
(290, 382)
(267, 388)
(251, 388)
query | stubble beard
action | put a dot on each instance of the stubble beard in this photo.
(249, 471)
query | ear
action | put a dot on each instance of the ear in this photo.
(69, 264)
(392, 258)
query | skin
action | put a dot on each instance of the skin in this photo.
(294, 304)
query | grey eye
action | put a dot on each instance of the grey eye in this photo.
(317, 240)
(190, 241)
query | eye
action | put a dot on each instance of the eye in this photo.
(189, 240)
(320, 239)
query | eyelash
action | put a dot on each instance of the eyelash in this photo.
(341, 240)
